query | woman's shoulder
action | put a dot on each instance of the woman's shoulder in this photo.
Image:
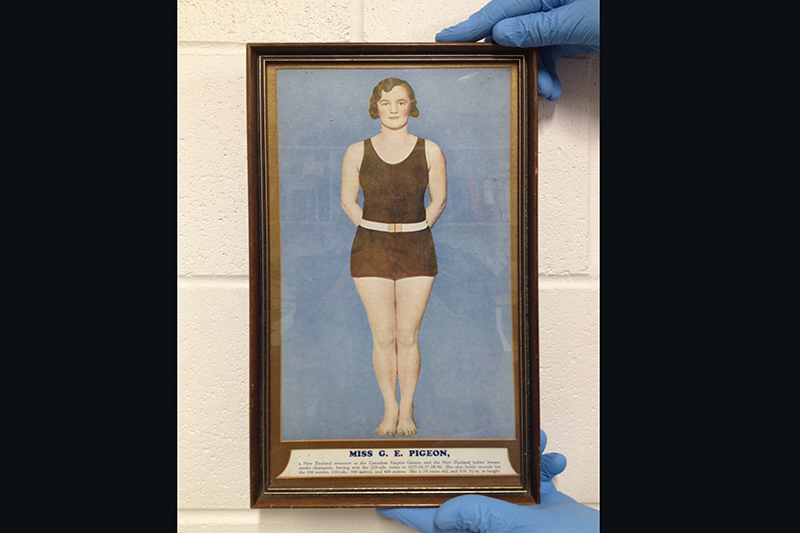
(356, 148)
(432, 149)
(354, 154)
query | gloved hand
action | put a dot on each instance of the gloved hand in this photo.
(558, 513)
(556, 27)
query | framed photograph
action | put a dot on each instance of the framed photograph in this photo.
(393, 274)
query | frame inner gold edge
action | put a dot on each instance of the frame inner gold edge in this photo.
(269, 65)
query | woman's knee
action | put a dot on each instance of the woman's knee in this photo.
(407, 337)
(384, 339)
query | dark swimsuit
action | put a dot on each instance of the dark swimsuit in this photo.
(393, 194)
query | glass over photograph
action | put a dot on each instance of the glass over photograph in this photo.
(395, 253)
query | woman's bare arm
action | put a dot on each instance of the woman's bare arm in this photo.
(437, 182)
(351, 166)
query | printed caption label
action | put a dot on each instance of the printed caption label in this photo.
(398, 462)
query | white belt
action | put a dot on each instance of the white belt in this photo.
(394, 228)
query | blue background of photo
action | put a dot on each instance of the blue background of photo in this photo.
(329, 389)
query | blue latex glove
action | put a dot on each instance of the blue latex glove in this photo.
(558, 513)
(556, 27)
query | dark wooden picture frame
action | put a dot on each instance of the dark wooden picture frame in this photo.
(298, 466)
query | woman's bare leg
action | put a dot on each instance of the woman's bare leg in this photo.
(379, 301)
(411, 299)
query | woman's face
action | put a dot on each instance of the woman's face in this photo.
(393, 107)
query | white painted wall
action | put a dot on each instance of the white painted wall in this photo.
(213, 475)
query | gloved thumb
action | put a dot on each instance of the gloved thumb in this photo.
(552, 464)
(420, 518)
(478, 513)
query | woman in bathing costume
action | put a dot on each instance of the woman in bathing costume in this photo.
(393, 260)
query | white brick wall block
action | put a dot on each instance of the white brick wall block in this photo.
(286, 520)
(212, 164)
(569, 373)
(213, 401)
(565, 161)
(413, 21)
(264, 21)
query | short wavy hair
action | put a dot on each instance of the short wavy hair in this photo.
(385, 86)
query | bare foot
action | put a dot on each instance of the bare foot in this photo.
(406, 426)
(388, 426)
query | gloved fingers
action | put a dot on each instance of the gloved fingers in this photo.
(421, 519)
(534, 30)
(542, 441)
(575, 24)
(478, 513)
(480, 23)
(546, 85)
(552, 465)
(549, 86)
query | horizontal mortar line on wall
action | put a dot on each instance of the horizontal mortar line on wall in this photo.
(231, 47)
(211, 48)
(577, 282)
(211, 281)
(215, 516)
